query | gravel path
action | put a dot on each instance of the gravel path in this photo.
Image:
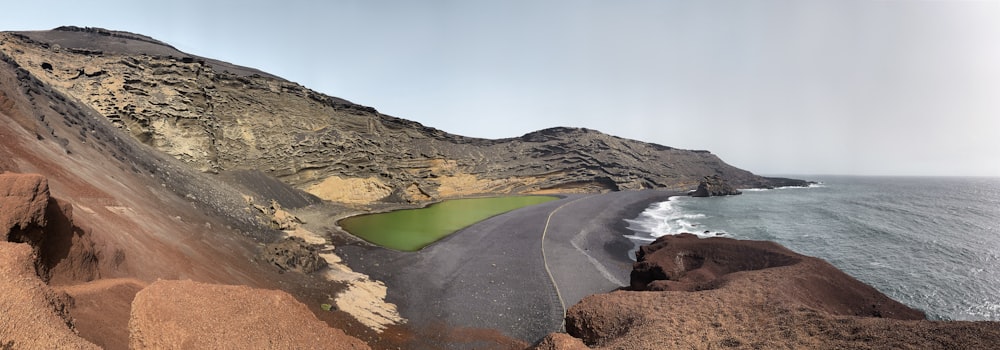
(494, 275)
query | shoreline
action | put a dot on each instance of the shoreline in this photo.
(491, 275)
(587, 245)
(633, 211)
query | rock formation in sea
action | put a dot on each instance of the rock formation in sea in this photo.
(714, 185)
(688, 292)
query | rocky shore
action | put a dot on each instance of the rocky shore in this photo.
(687, 292)
(150, 198)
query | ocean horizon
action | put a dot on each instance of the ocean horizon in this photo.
(932, 243)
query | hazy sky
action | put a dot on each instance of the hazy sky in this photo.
(775, 87)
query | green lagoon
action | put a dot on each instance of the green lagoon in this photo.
(412, 229)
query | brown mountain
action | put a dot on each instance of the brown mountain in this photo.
(219, 117)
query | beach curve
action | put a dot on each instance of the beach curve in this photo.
(493, 274)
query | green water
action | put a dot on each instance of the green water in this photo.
(412, 229)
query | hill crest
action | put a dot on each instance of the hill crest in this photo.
(219, 117)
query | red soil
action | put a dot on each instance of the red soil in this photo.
(191, 315)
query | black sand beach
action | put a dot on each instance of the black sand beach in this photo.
(494, 274)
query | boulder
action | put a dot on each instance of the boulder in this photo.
(714, 185)
(23, 200)
(294, 253)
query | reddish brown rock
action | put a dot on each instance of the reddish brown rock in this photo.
(23, 199)
(28, 214)
(725, 293)
(32, 316)
(687, 263)
(559, 341)
(192, 315)
(101, 310)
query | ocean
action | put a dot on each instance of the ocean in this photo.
(930, 243)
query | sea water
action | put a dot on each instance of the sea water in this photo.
(930, 243)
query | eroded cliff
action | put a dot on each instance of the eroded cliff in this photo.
(219, 117)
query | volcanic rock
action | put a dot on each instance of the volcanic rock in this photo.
(294, 253)
(29, 215)
(774, 182)
(714, 185)
(101, 309)
(23, 200)
(560, 341)
(219, 118)
(34, 317)
(125, 213)
(687, 263)
(192, 315)
(723, 293)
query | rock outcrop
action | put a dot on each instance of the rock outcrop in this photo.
(723, 293)
(293, 253)
(23, 200)
(34, 316)
(714, 185)
(687, 263)
(219, 118)
(125, 212)
(191, 315)
(29, 215)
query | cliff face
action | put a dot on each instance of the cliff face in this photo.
(219, 117)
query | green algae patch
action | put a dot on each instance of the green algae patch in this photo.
(412, 229)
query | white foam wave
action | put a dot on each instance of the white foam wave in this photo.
(665, 218)
(812, 185)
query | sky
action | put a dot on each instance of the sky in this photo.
(774, 87)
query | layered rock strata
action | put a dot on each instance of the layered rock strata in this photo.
(219, 117)
(126, 215)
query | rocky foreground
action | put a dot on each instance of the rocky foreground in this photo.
(147, 196)
(718, 293)
(163, 315)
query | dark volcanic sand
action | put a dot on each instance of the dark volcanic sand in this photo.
(492, 274)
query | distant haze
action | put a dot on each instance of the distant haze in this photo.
(775, 87)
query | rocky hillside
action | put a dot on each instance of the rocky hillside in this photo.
(126, 216)
(221, 118)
